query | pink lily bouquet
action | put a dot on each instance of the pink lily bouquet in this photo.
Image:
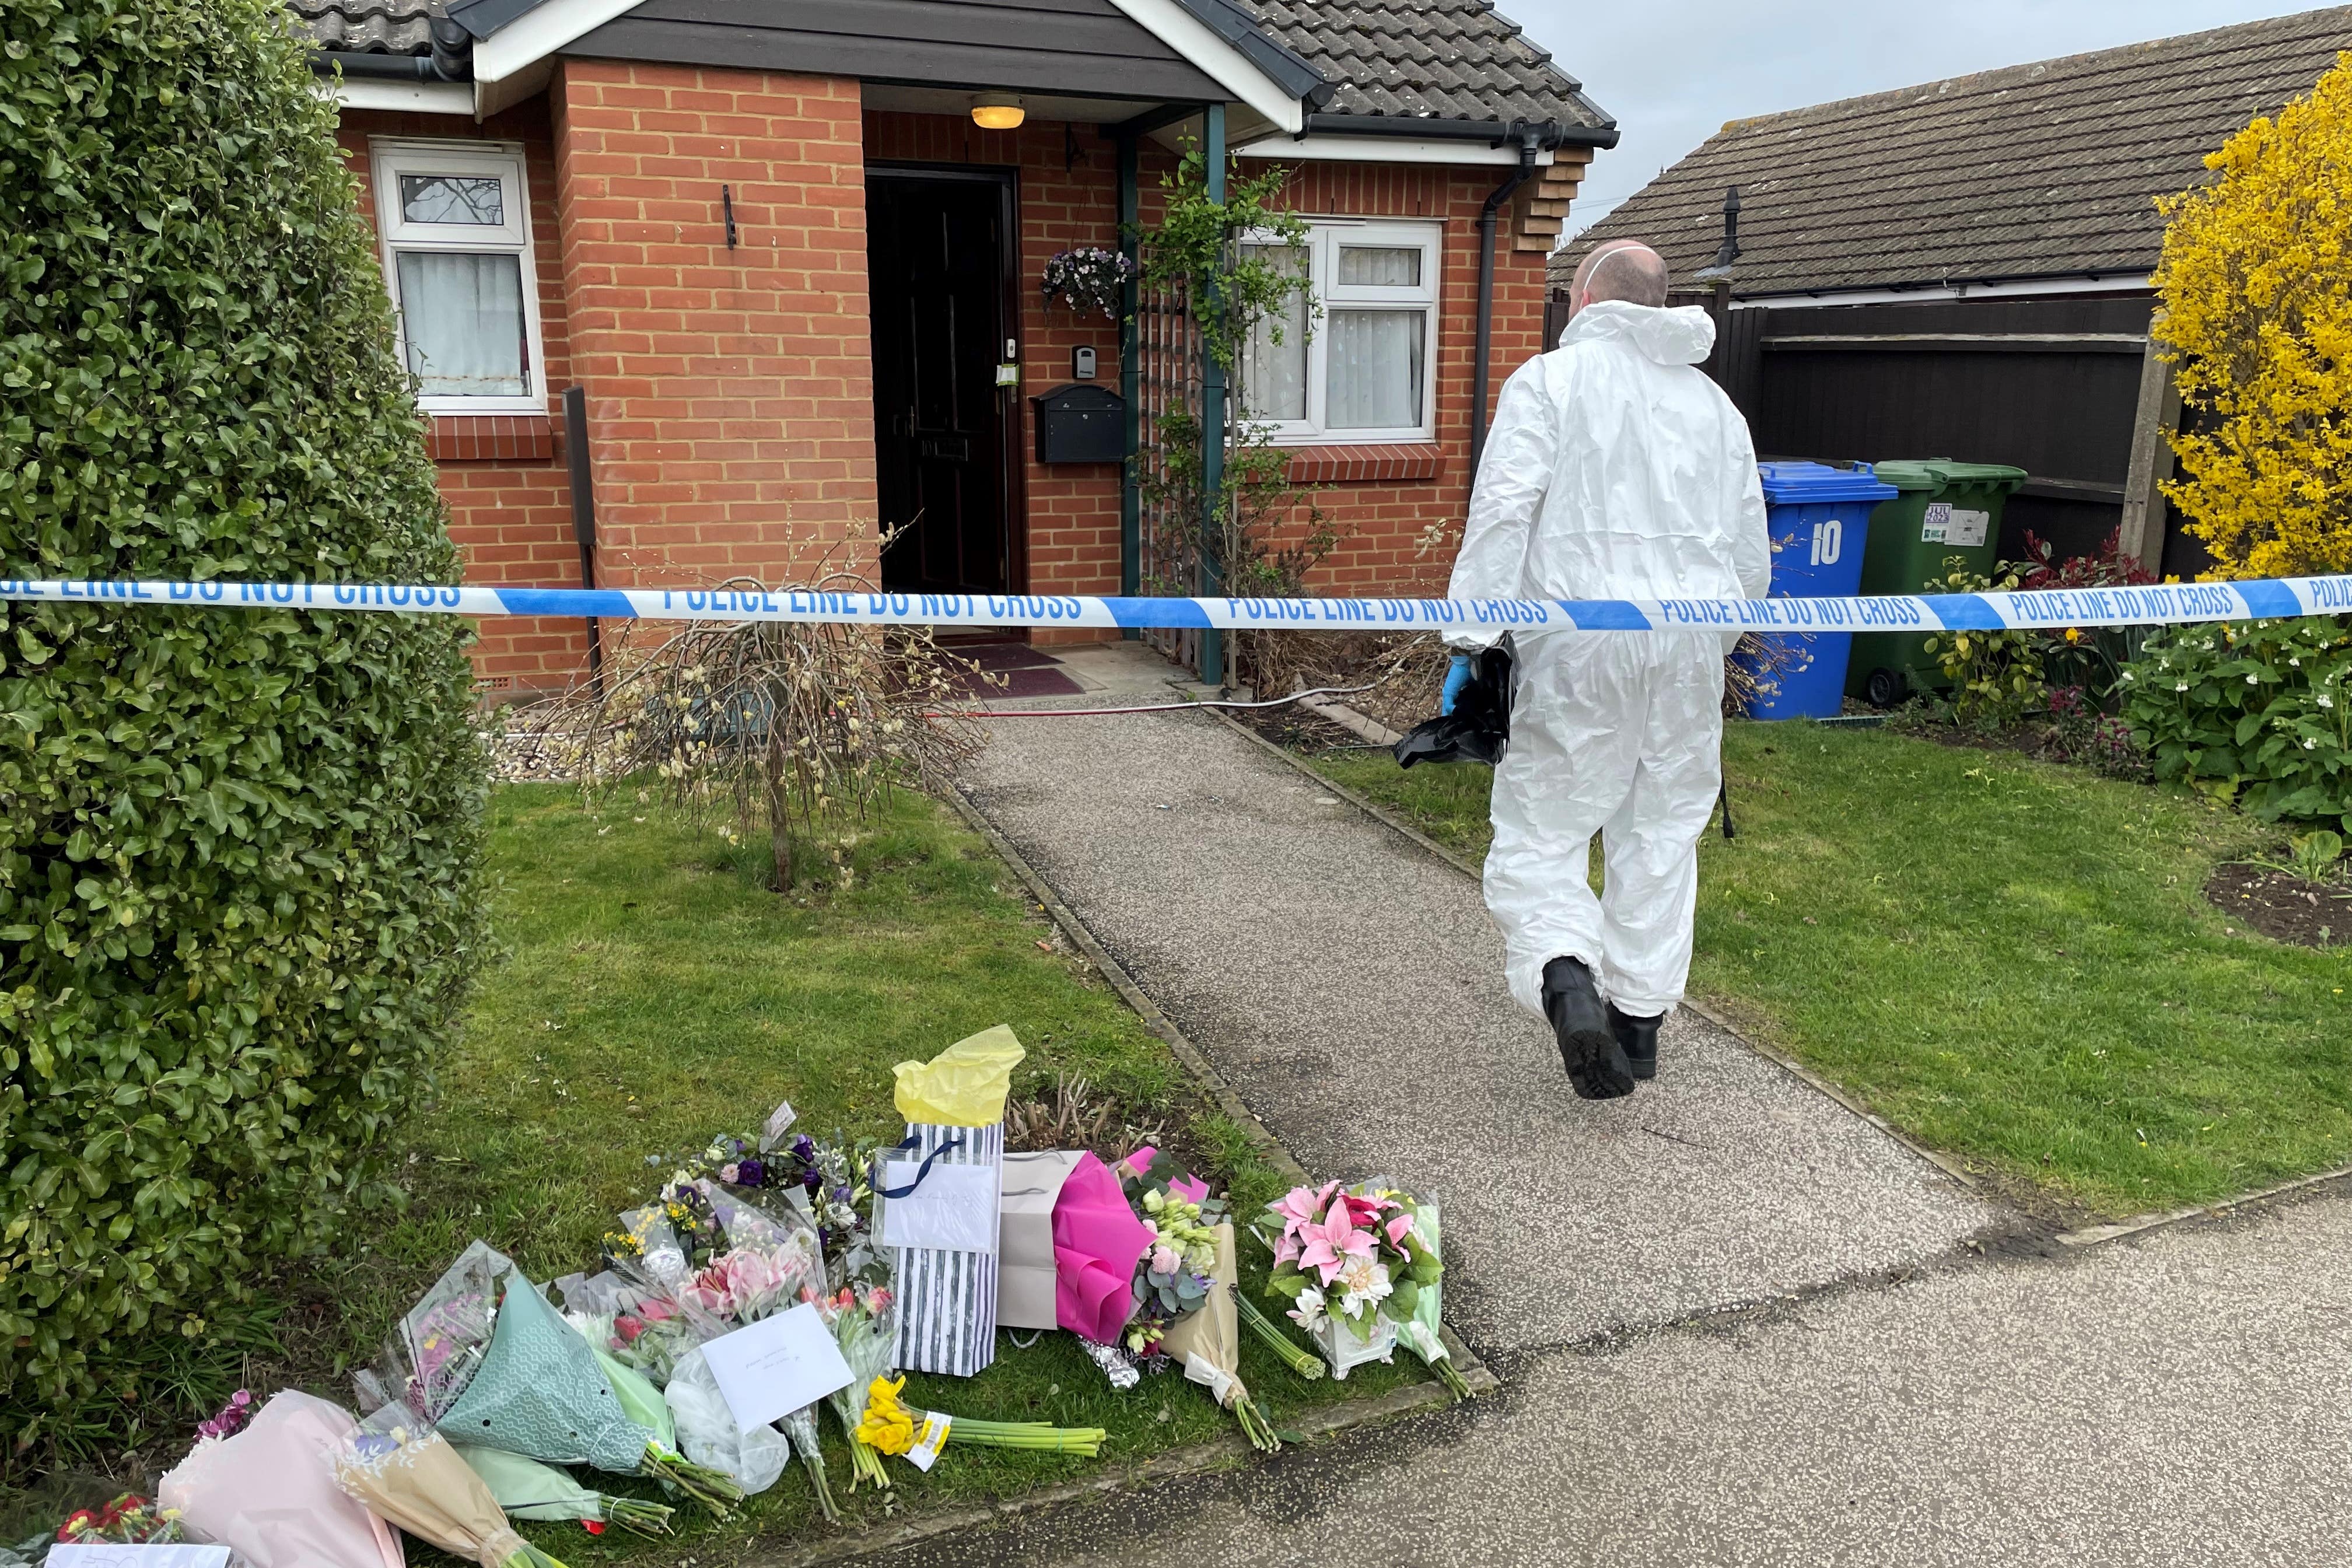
(1353, 1262)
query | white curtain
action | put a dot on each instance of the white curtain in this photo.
(1274, 374)
(462, 314)
(1380, 265)
(1375, 369)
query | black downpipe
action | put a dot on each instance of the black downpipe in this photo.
(583, 513)
(1480, 379)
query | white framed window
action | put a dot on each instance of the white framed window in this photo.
(453, 218)
(1366, 371)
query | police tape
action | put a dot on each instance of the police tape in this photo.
(2167, 604)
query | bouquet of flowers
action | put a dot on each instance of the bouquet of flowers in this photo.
(631, 1322)
(268, 1492)
(890, 1426)
(1174, 1276)
(541, 1393)
(417, 1481)
(770, 1262)
(526, 1489)
(862, 1326)
(441, 1343)
(1353, 1263)
(128, 1520)
(1087, 278)
(829, 1184)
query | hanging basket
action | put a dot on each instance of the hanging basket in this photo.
(1086, 279)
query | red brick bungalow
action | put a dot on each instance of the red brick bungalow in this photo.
(796, 278)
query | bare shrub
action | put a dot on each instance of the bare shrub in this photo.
(783, 731)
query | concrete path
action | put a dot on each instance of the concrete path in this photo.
(1735, 1323)
(2183, 1400)
(1349, 986)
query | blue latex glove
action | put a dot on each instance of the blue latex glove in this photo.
(1457, 676)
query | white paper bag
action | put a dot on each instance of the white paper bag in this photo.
(1025, 1279)
(947, 1297)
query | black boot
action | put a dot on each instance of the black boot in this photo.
(1597, 1068)
(1638, 1039)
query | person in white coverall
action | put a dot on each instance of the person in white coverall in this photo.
(1615, 470)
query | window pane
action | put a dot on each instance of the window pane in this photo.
(1274, 374)
(1376, 369)
(476, 199)
(463, 318)
(1389, 265)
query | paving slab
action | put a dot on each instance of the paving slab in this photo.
(2183, 1398)
(1349, 987)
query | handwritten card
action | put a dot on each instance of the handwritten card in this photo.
(100, 1555)
(777, 1365)
(952, 1209)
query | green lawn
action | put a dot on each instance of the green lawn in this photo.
(2011, 961)
(649, 995)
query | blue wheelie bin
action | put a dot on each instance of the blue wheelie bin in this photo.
(1819, 517)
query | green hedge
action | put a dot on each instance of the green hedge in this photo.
(239, 894)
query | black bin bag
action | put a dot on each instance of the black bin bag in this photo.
(1480, 725)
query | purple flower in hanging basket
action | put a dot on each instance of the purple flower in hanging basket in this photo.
(1088, 277)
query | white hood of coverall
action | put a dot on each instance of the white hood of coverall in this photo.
(1614, 471)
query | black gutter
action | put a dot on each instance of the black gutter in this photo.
(1493, 133)
(1487, 216)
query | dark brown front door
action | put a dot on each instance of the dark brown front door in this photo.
(937, 264)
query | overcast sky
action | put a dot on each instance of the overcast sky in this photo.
(1673, 73)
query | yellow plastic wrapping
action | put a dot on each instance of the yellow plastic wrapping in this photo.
(963, 1086)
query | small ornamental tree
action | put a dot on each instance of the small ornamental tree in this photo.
(2256, 290)
(239, 894)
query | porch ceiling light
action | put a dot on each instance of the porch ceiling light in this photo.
(998, 111)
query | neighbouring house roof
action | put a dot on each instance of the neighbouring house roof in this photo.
(1442, 59)
(2040, 171)
(368, 27)
(1425, 59)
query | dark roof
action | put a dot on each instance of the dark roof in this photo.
(2035, 171)
(1439, 59)
(1433, 60)
(368, 27)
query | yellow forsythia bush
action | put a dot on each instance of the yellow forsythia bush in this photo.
(2256, 290)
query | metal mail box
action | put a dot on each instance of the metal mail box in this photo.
(1080, 424)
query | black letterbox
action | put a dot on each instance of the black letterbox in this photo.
(1079, 423)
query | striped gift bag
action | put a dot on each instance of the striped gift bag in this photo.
(947, 1300)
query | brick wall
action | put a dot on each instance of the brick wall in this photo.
(503, 478)
(731, 396)
(1382, 499)
(1382, 519)
(730, 390)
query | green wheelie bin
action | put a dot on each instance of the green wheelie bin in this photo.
(1945, 509)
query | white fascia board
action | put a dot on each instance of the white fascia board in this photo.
(412, 97)
(2021, 288)
(539, 32)
(1382, 150)
(1211, 55)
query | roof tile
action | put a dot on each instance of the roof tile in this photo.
(2038, 170)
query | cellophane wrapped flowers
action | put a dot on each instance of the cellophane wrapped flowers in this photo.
(540, 1393)
(417, 1481)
